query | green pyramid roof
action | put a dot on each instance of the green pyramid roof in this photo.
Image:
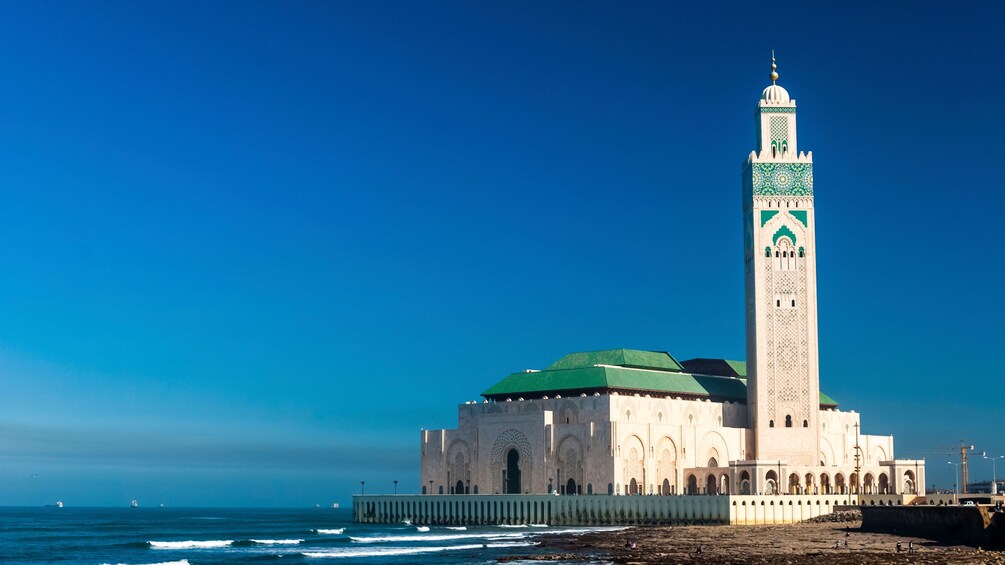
(619, 357)
(631, 371)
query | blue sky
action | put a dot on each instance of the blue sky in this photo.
(248, 250)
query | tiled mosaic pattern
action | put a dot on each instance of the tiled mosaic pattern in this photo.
(782, 179)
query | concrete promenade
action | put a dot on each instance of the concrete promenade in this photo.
(596, 510)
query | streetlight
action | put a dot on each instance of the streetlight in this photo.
(395, 487)
(362, 487)
(994, 476)
(956, 486)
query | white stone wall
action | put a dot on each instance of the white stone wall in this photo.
(604, 442)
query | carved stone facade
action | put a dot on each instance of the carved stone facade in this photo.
(626, 444)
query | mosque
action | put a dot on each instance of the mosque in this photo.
(630, 422)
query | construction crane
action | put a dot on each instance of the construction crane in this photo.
(948, 450)
(963, 465)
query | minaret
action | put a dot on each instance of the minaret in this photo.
(783, 392)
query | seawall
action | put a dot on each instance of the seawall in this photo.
(968, 525)
(596, 510)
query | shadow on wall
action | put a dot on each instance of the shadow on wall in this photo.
(969, 525)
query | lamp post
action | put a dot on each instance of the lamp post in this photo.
(362, 487)
(430, 486)
(395, 487)
(956, 486)
(994, 475)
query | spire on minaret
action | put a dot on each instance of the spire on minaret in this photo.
(774, 94)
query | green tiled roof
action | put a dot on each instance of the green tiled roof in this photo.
(620, 357)
(720, 367)
(619, 370)
(588, 378)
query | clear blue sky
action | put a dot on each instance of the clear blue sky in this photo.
(248, 250)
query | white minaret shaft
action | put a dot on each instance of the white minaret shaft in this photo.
(783, 392)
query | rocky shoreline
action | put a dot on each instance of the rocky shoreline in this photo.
(837, 540)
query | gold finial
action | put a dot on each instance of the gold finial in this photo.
(774, 67)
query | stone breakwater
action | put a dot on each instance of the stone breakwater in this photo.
(841, 516)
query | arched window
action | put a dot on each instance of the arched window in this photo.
(806, 424)
(802, 252)
(767, 252)
(776, 253)
(793, 302)
(778, 302)
(771, 423)
(788, 421)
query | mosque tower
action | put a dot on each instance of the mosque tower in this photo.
(783, 392)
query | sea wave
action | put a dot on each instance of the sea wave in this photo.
(422, 528)
(512, 525)
(190, 544)
(256, 542)
(437, 537)
(333, 531)
(457, 528)
(182, 562)
(392, 551)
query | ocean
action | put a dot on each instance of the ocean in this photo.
(213, 536)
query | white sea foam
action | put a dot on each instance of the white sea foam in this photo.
(512, 525)
(277, 541)
(331, 532)
(190, 544)
(182, 562)
(391, 551)
(422, 528)
(435, 537)
(457, 528)
(539, 525)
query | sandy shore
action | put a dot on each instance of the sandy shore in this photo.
(788, 544)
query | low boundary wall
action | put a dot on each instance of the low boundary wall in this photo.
(515, 509)
(971, 525)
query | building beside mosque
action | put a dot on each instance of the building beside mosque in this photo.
(630, 422)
